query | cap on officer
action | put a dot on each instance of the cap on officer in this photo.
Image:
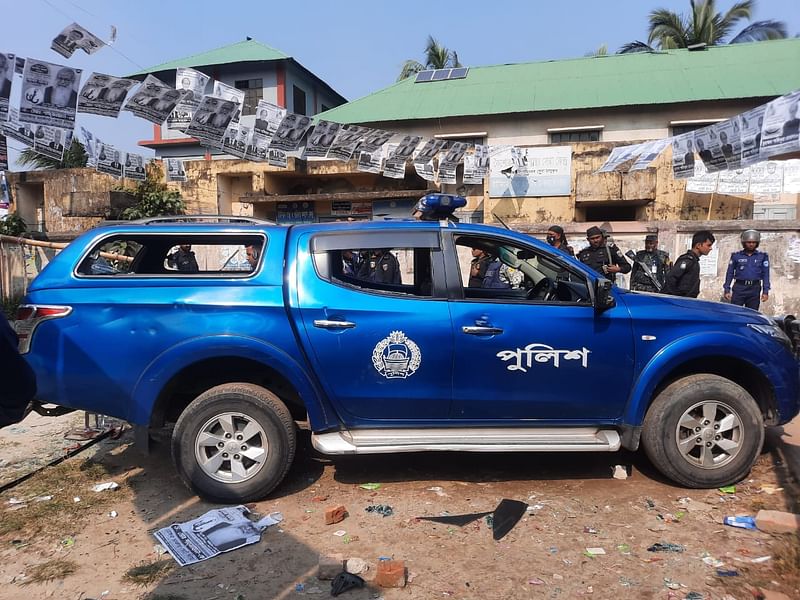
(751, 235)
(651, 237)
(593, 231)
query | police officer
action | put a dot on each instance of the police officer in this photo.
(604, 259)
(749, 268)
(183, 259)
(383, 267)
(477, 269)
(557, 239)
(683, 278)
(657, 263)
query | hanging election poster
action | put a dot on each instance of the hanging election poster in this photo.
(241, 140)
(15, 130)
(346, 141)
(791, 176)
(154, 100)
(766, 177)
(277, 158)
(290, 132)
(620, 155)
(545, 171)
(683, 155)
(6, 80)
(175, 170)
(74, 37)
(211, 120)
(752, 121)
(51, 141)
(194, 82)
(103, 94)
(703, 181)
(370, 162)
(321, 139)
(730, 141)
(709, 149)
(450, 161)
(373, 140)
(426, 170)
(108, 159)
(232, 94)
(49, 94)
(398, 154)
(649, 152)
(781, 130)
(3, 153)
(429, 151)
(134, 167)
(734, 182)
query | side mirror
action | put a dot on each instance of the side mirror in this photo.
(603, 298)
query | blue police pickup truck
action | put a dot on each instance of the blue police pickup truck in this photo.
(383, 336)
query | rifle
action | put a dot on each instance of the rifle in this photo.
(632, 255)
(503, 223)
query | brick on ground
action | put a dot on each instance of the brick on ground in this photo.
(335, 514)
(391, 573)
(776, 521)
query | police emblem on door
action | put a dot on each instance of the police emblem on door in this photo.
(396, 356)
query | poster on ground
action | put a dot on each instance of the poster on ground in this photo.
(104, 94)
(540, 171)
(49, 94)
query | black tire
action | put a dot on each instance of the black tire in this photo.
(241, 476)
(732, 452)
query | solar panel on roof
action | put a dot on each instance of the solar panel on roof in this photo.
(441, 74)
(424, 76)
(458, 73)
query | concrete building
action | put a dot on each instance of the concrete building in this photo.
(261, 72)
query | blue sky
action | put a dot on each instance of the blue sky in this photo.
(357, 46)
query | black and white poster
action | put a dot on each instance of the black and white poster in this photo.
(242, 139)
(134, 167)
(476, 165)
(709, 149)
(230, 93)
(211, 120)
(154, 100)
(396, 169)
(683, 155)
(752, 122)
(346, 141)
(426, 170)
(49, 94)
(450, 161)
(229, 138)
(277, 158)
(51, 141)
(321, 139)
(88, 145)
(430, 150)
(728, 134)
(175, 169)
(619, 156)
(22, 132)
(74, 37)
(108, 159)
(104, 94)
(6, 80)
(398, 154)
(290, 132)
(370, 162)
(187, 80)
(781, 131)
(3, 153)
(374, 140)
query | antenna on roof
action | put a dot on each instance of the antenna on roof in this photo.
(248, 38)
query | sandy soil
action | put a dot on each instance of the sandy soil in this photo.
(574, 503)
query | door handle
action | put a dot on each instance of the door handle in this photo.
(477, 330)
(331, 324)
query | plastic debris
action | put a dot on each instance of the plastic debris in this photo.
(380, 509)
(673, 585)
(694, 596)
(727, 573)
(345, 581)
(553, 550)
(68, 542)
(370, 486)
(506, 516)
(356, 566)
(536, 581)
(43, 498)
(620, 472)
(76, 499)
(711, 561)
(438, 491)
(105, 487)
(728, 489)
(743, 522)
(594, 551)
(340, 533)
(624, 548)
(591, 530)
(770, 489)
(14, 501)
(113, 514)
(459, 520)
(299, 587)
(666, 547)
(650, 504)
(760, 559)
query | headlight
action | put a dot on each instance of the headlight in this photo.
(772, 331)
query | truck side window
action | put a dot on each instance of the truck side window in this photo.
(383, 270)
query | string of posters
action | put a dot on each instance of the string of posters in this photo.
(52, 95)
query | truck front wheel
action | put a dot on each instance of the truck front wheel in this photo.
(703, 431)
(234, 443)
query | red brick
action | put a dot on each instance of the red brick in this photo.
(391, 573)
(772, 595)
(776, 521)
(335, 515)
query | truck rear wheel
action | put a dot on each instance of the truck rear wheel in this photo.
(234, 443)
(703, 431)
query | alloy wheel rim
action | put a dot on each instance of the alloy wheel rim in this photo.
(231, 447)
(709, 434)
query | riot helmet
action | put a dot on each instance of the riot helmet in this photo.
(751, 235)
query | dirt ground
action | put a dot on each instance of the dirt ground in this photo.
(60, 548)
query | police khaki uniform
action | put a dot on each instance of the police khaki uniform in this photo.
(606, 260)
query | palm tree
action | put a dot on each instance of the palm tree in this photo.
(74, 157)
(436, 57)
(704, 26)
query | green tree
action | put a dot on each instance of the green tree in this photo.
(153, 197)
(436, 57)
(705, 25)
(74, 158)
(12, 225)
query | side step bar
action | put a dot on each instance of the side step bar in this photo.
(386, 441)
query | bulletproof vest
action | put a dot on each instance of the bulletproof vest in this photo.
(492, 277)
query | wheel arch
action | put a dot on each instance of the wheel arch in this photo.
(721, 356)
(187, 369)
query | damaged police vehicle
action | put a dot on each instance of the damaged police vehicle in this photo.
(377, 335)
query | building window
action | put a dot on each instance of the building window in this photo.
(580, 135)
(298, 100)
(253, 92)
(680, 128)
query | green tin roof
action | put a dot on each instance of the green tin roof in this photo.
(735, 71)
(246, 51)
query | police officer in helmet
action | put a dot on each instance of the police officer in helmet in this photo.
(748, 269)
